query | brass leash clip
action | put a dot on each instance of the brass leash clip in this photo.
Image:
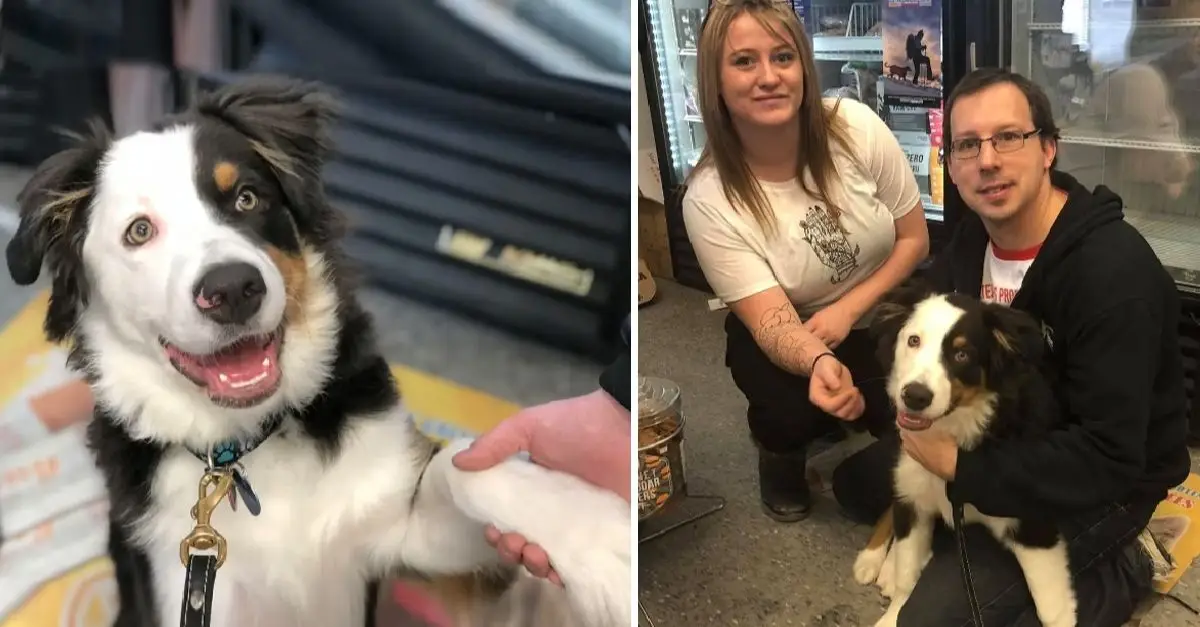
(214, 486)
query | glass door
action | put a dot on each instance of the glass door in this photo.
(1123, 77)
(674, 34)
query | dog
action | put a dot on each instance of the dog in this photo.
(246, 423)
(972, 370)
(898, 71)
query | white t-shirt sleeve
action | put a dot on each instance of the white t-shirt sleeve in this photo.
(895, 183)
(733, 268)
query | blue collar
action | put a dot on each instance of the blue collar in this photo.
(230, 452)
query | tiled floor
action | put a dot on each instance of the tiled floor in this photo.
(737, 567)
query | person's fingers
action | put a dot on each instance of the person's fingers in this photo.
(514, 543)
(508, 438)
(555, 579)
(492, 535)
(536, 560)
(511, 547)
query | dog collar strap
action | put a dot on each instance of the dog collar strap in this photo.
(228, 455)
(231, 452)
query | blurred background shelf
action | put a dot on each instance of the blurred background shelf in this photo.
(483, 156)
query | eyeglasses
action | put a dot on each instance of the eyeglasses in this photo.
(1004, 141)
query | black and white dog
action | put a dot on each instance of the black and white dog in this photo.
(969, 369)
(196, 274)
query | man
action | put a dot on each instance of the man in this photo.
(1039, 241)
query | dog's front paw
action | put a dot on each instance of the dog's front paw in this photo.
(585, 530)
(868, 565)
(887, 575)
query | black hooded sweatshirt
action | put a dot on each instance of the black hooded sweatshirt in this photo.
(1113, 316)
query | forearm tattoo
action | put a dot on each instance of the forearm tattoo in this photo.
(782, 336)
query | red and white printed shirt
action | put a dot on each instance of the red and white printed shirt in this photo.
(1004, 271)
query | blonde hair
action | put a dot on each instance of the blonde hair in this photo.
(818, 125)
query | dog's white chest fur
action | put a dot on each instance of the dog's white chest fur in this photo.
(301, 560)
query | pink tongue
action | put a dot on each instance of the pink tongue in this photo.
(244, 371)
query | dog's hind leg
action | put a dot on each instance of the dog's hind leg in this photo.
(586, 531)
(913, 548)
(1042, 554)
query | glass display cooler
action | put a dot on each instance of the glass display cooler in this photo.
(885, 53)
(1123, 77)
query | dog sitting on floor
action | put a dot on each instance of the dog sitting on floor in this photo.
(261, 466)
(970, 369)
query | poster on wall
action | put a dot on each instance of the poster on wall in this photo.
(803, 9)
(912, 52)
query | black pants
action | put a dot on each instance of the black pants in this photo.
(781, 418)
(1111, 572)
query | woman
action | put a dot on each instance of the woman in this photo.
(803, 212)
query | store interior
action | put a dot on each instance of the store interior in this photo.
(1120, 77)
(463, 121)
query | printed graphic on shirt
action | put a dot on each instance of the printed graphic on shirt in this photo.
(829, 242)
(1003, 273)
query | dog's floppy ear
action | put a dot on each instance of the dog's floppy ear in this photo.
(1017, 336)
(892, 312)
(53, 220)
(288, 122)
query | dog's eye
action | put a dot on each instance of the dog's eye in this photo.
(139, 232)
(246, 200)
(960, 356)
(914, 341)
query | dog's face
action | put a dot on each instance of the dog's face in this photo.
(190, 255)
(946, 352)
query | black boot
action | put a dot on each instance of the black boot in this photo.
(783, 485)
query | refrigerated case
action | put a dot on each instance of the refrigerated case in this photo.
(848, 40)
(1123, 77)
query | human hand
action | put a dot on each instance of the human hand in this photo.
(586, 436)
(832, 389)
(831, 325)
(516, 550)
(932, 448)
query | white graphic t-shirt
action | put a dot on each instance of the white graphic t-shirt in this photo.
(1003, 272)
(814, 258)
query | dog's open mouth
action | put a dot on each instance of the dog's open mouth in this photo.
(242, 374)
(913, 423)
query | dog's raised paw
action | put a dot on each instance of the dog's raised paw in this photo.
(584, 529)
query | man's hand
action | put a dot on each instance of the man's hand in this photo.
(831, 388)
(933, 449)
(831, 325)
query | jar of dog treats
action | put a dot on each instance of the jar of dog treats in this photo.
(661, 472)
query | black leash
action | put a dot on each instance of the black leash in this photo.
(968, 583)
(201, 570)
(223, 478)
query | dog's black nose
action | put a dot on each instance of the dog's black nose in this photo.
(916, 396)
(230, 293)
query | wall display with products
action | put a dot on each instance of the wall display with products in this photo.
(909, 95)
